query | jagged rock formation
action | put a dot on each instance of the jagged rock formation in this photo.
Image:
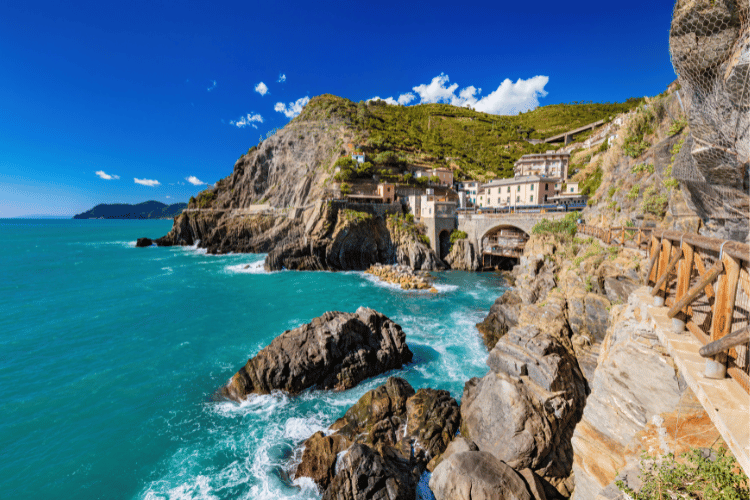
(334, 351)
(463, 256)
(383, 444)
(635, 404)
(502, 317)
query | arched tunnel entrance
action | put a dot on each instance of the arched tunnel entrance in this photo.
(444, 243)
(502, 247)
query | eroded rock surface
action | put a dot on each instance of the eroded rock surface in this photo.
(477, 475)
(334, 351)
(463, 256)
(634, 381)
(391, 428)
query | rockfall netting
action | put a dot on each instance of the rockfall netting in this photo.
(710, 48)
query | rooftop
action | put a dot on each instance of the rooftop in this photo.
(520, 180)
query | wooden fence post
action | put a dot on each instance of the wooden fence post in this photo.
(622, 237)
(684, 273)
(723, 313)
(664, 257)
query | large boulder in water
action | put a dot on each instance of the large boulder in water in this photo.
(393, 429)
(334, 351)
(143, 242)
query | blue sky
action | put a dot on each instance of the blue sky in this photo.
(155, 91)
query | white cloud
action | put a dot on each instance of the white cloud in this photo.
(106, 176)
(213, 86)
(509, 98)
(389, 100)
(147, 182)
(194, 181)
(512, 98)
(405, 99)
(282, 78)
(402, 100)
(261, 88)
(293, 108)
(246, 120)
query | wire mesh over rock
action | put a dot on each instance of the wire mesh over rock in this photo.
(710, 49)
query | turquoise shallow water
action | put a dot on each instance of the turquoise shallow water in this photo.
(109, 356)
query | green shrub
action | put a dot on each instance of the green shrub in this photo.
(424, 239)
(677, 126)
(634, 192)
(698, 477)
(355, 216)
(205, 199)
(640, 125)
(346, 189)
(458, 235)
(567, 226)
(643, 167)
(611, 192)
(346, 163)
(592, 182)
(654, 202)
(603, 146)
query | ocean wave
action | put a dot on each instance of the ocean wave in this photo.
(248, 268)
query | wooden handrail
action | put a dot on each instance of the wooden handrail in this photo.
(725, 343)
(720, 284)
(693, 293)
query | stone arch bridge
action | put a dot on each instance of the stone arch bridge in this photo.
(501, 234)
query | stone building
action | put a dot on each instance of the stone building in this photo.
(550, 164)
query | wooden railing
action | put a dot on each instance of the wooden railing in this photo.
(705, 282)
(624, 236)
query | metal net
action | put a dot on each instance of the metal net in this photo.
(710, 49)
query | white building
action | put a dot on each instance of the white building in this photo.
(358, 157)
(470, 189)
(550, 164)
(518, 191)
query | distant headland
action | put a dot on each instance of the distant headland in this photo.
(146, 210)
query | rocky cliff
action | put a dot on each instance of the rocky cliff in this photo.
(272, 203)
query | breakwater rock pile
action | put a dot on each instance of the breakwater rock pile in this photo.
(403, 276)
(334, 351)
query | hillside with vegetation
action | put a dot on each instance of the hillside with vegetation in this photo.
(475, 145)
(146, 210)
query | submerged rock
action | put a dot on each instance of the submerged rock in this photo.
(334, 351)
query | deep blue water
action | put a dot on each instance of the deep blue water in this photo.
(109, 356)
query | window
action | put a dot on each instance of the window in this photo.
(509, 189)
(519, 189)
(546, 187)
(571, 190)
(531, 199)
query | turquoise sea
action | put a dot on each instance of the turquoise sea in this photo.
(109, 356)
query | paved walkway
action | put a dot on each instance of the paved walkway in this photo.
(727, 404)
